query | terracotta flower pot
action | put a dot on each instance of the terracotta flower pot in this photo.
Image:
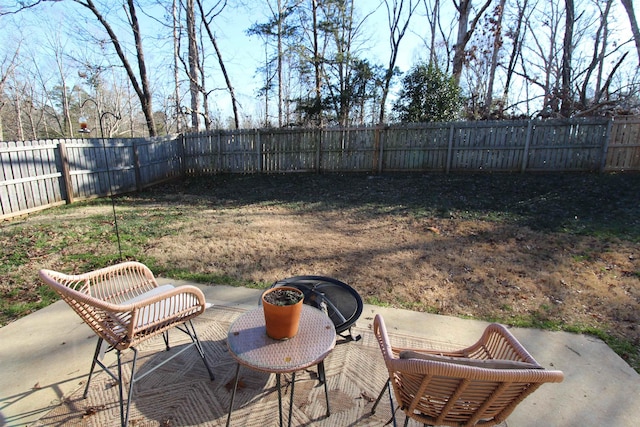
(282, 320)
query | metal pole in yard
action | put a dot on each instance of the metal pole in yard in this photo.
(84, 129)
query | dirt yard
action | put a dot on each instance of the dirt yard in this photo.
(544, 250)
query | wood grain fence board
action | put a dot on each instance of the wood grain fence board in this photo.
(428, 146)
(28, 178)
(159, 160)
(623, 151)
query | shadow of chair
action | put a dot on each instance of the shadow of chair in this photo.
(479, 385)
(125, 305)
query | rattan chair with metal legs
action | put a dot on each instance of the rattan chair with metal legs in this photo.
(479, 385)
(125, 306)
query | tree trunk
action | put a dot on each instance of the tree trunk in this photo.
(515, 51)
(433, 17)
(279, 61)
(628, 5)
(597, 60)
(176, 56)
(146, 101)
(497, 42)
(194, 74)
(397, 31)
(234, 101)
(567, 50)
(66, 113)
(18, 109)
(464, 34)
(317, 104)
(141, 88)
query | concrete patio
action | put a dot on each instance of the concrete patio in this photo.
(46, 355)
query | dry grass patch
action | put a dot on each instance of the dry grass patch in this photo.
(552, 251)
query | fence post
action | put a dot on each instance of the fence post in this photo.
(319, 150)
(66, 175)
(605, 146)
(450, 148)
(219, 150)
(181, 149)
(376, 149)
(136, 166)
(259, 150)
(527, 143)
(381, 153)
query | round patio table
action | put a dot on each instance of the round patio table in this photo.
(250, 346)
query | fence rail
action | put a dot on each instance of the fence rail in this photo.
(38, 174)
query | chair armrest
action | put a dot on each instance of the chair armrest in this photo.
(436, 369)
(480, 363)
(146, 315)
(498, 343)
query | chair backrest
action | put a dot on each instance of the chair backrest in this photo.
(444, 392)
(119, 302)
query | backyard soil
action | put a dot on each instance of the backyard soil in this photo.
(545, 250)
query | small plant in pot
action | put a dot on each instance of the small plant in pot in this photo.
(282, 307)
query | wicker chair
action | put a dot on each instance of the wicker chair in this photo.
(478, 385)
(124, 305)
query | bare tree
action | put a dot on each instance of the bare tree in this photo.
(343, 29)
(176, 29)
(540, 62)
(567, 51)
(496, 33)
(17, 89)
(517, 35)
(465, 31)
(279, 14)
(193, 71)
(141, 86)
(58, 49)
(317, 66)
(312, 46)
(597, 59)
(433, 14)
(207, 18)
(398, 19)
(7, 67)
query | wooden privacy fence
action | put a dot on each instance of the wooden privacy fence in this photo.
(505, 146)
(38, 174)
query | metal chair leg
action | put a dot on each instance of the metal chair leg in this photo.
(131, 382)
(187, 328)
(93, 366)
(194, 337)
(386, 387)
(123, 422)
(165, 337)
(375, 405)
